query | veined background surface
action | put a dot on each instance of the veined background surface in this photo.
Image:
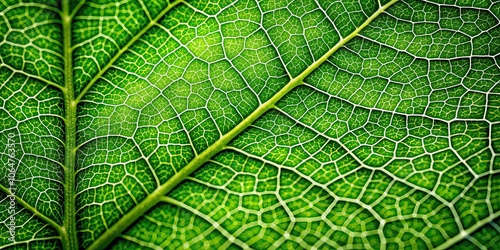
(250, 124)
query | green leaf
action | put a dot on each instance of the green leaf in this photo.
(250, 124)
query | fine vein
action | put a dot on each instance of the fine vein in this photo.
(467, 232)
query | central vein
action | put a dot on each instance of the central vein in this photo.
(69, 237)
(107, 237)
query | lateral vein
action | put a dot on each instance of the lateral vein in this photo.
(151, 200)
(125, 48)
(32, 209)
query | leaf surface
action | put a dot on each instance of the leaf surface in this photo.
(250, 124)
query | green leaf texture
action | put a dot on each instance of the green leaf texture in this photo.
(250, 124)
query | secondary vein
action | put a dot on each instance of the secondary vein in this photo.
(125, 48)
(33, 210)
(135, 213)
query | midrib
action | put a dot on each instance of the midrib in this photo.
(68, 236)
(135, 213)
(68, 230)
